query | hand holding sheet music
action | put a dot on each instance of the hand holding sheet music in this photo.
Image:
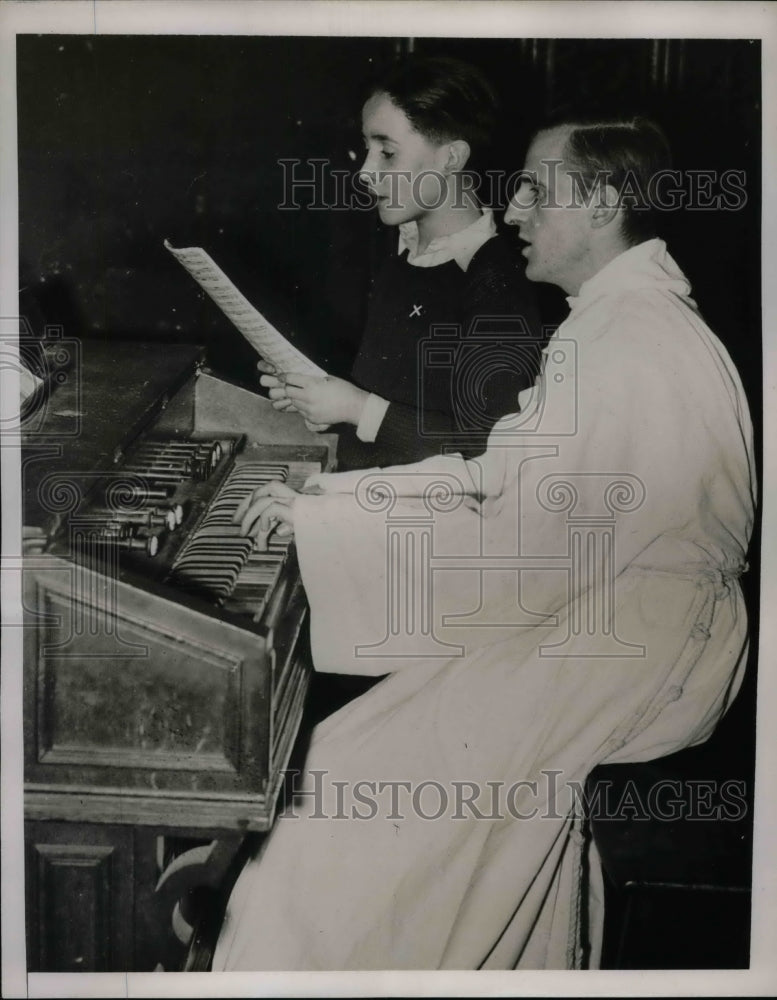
(321, 401)
(324, 400)
(261, 334)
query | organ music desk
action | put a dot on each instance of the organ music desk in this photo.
(165, 666)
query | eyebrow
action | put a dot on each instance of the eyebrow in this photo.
(379, 136)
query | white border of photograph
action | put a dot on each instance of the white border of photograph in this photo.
(440, 18)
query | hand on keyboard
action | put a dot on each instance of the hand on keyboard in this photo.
(269, 508)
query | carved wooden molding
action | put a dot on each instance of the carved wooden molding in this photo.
(83, 871)
(82, 804)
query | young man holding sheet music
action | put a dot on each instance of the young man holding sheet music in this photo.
(453, 333)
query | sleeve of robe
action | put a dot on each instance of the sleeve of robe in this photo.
(663, 416)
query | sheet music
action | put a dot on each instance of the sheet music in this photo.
(261, 334)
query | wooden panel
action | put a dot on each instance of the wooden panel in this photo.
(220, 407)
(79, 897)
(171, 706)
(186, 733)
(175, 707)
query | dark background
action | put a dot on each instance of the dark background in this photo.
(126, 140)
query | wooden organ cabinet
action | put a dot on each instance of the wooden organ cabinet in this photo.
(165, 665)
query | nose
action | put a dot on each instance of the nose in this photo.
(520, 205)
(516, 212)
(512, 215)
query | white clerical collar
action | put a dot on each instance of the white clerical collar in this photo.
(461, 246)
(645, 263)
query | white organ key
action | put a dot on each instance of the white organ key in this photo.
(219, 558)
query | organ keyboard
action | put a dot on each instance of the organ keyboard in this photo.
(165, 660)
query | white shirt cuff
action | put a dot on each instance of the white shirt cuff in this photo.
(373, 412)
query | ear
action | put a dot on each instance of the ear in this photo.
(605, 207)
(457, 154)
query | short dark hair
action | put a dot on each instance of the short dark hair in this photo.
(444, 99)
(627, 151)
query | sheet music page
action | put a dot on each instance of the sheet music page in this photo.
(261, 334)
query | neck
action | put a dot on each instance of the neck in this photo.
(599, 256)
(455, 214)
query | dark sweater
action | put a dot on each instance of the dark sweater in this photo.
(450, 350)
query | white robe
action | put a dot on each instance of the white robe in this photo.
(636, 390)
